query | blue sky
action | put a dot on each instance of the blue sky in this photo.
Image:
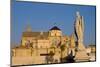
(43, 16)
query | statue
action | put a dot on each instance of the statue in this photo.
(79, 30)
(80, 54)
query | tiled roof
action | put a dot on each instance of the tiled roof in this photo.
(35, 34)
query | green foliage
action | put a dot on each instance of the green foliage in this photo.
(51, 53)
(62, 47)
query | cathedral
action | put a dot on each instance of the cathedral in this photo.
(51, 38)
(38, 45)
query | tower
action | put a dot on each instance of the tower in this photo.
(55, 34)
(72, 41)
(72, 44)
(27, 37)
(28, 28)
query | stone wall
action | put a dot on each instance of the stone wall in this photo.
(25, 56)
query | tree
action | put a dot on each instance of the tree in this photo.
(62, 47)
(50, 58)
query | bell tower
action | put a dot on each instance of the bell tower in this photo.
(28, 29)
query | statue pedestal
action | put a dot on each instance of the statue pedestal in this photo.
(81, 54)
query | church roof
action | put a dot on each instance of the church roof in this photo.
(55, 28)
(36, 34)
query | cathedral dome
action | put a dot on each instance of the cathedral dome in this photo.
(55, 28)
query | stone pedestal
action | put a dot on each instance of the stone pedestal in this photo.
(81, 54)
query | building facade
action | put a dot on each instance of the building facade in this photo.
(37, 47)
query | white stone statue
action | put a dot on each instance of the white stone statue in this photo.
(79, 30)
